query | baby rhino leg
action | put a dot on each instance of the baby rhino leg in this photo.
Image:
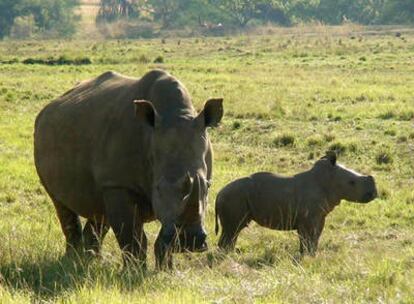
(309, 233)
(234, 215)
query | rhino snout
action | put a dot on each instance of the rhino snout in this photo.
(194, 241)
(192, 238)
(371, 194)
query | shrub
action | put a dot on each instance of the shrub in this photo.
(383, 156)
(387, 115)
(236, 125)
(284, 140)
(406, 115)
(159, 59)
(23, 27)
(390, 132)
(314, 141)
(402, 139)
(338, 148)
(62, 60)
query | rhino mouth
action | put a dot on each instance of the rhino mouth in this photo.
(191, 244)
(186, 242)
(369, 196)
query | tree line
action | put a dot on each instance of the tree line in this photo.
(241, 12)
(60, 15)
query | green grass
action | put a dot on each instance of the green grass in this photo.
(288, 99)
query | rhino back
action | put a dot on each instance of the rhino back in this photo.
(89, 138)
(273, 201)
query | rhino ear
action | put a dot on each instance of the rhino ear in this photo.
(212, 113)
(331, 156)
(144, 110)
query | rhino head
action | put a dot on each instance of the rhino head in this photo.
(344, 183)
(180, 149)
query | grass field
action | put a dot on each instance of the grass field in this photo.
(288, 99)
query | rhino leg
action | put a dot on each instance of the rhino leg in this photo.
(163, 255)
(71, 227)
(234, 217)
(122, 214)
(93, 235)
(229, 235)
(309, 234)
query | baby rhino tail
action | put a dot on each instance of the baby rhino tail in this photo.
(217, 227)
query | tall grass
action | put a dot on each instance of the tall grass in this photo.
(288, 99)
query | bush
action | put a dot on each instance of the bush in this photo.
(159, 59)
(284, 140)
(314, 141)
(23, 27)
(384, 156)
(236, 125)
(23, 17)
(62, 60)
(338, 148)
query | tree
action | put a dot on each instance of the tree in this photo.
(360, 11)
(163, 11)
(398, 11)
(51, 15)
(241, 10)
(7, 14)
(111, 10)
(276, 11)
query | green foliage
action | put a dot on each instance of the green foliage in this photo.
(8, 12)
(111, 10)
(181, 13)
(283, 12)
(398, 11)
(284, 140)
(51, 15)
(241, 10)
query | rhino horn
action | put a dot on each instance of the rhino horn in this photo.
(193, 196)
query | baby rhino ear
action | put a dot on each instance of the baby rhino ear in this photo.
(331, 156)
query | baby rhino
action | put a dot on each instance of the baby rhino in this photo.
(300, 202)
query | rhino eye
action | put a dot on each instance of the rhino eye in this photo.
(352, 182)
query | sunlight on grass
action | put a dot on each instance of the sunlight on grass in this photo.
(288, 97)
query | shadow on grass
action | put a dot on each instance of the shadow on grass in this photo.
(269, 257)
(49, 278)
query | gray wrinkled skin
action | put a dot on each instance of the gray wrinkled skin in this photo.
(122, 151)
(300, 202)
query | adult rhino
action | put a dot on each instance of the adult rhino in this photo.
(121, 152)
